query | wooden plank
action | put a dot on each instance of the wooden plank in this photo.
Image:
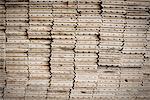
(78, 50)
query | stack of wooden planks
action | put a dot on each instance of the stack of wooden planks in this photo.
(2, 49)
(16, 47)
(75, 50)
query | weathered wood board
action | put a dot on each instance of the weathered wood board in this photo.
(74, 49)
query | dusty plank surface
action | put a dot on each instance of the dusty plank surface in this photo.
(74, 49)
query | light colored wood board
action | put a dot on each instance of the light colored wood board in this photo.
(63, 37)
(36, 67)
(16, 62)
(38, 50)
(90, 6)
(39, 54)
(63, 29)
(62, 33)
(65, 68)
(16, 58)
(73, 16)
(62, 60)
(62, 55)
(65, 11)
(16, 55)
(89, 1)
(39, 37)
(132, 51)
(16, 50)
(16, 2)
(16, 67)
(87, 25)
(85, 84)
(18, 41)
(59, 24)
(138, 49)
(18, 45)
(62, 72)
(116, 30)
(88, 29)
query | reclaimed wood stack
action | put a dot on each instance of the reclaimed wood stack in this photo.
(2, 49)
(16, 48)
(74, 49)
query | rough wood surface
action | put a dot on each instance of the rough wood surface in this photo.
(74, 49)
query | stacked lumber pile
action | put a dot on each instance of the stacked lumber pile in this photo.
(134, 49)
(2, 49)
(62, 46)
(86, 49)
(40, 21)
(74, 50)
(16, 47)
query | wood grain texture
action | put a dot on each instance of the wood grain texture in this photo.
(74, 50)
